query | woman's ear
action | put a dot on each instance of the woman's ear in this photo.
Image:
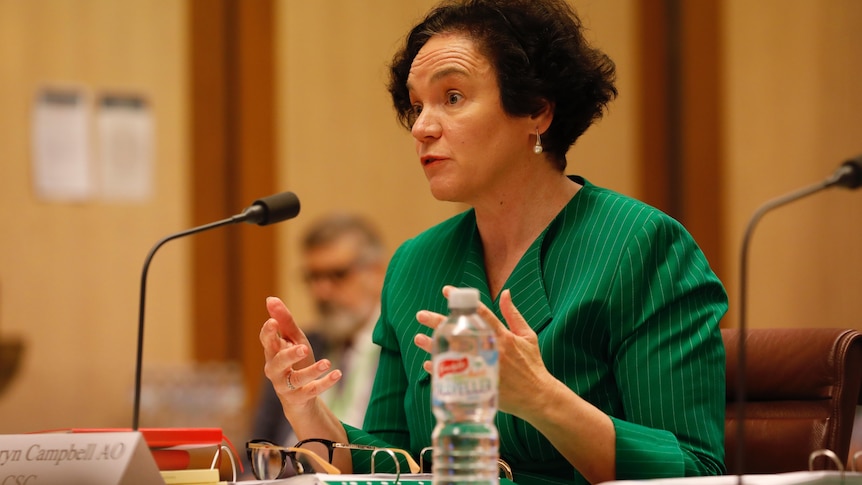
(542, 119)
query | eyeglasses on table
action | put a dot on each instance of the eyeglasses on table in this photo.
(324, 447)
(270, 461)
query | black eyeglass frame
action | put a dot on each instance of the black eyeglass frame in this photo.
(331, 446)
(335, 276)
(286, 452)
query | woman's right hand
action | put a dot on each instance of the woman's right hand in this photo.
(290, 365)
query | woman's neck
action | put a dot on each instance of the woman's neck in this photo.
(509, 224)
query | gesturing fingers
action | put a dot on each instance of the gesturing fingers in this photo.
(310, 379)
(270, 340)
(287, 357)
(296, 384)
(514, 320)
(517, 324)
(425, 343)
(430, 319)
(287, 327)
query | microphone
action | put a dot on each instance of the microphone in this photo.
(269, 210)
(265, 211)
(848, 175)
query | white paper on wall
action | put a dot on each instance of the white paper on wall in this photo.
(124, 127)
(62, 168)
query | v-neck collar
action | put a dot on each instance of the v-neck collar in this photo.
(526, 281)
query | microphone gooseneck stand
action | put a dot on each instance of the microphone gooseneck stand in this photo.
(848, 175)
(265, 211)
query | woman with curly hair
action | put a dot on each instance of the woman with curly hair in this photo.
(605, 309)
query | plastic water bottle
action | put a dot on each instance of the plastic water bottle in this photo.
(464, 396)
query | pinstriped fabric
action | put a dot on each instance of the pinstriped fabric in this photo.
(626, 310)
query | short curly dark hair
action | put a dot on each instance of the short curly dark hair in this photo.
(540, 55)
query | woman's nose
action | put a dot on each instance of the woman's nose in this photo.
(426, 125)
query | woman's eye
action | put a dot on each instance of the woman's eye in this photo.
(413, 115)
(453, 98)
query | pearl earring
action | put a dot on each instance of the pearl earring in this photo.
(538, 149)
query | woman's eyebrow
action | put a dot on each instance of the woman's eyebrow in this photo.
(443, 73)
(449, 71)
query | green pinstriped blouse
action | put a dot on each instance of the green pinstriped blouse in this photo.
(627, 314)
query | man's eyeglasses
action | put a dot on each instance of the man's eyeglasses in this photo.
(270, 461)
(333, 275)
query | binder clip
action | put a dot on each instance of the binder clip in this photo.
(852, 464)
(505, 468)
(828, 454)
(394, 458)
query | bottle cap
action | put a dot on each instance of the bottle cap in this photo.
(464, 298)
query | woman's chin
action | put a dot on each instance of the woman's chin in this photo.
(443, 193)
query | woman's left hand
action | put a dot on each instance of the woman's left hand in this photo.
(522, 372)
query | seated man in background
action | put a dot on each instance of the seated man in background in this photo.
(344, 263)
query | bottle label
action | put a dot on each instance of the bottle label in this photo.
(462, 377)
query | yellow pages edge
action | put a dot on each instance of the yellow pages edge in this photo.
(190, 477)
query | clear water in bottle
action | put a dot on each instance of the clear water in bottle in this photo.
(464, 396)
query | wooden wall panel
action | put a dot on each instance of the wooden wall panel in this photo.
(699, 134)
(655, 142)
(210, 184)
(233, 129)
(256, 252)
(680, 126)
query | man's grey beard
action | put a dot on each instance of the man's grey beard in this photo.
(338, 324)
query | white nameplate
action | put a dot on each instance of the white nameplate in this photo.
(121, 458)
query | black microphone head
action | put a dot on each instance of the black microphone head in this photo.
(272, 209)
(848, 175)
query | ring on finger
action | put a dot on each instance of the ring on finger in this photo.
(290, 384)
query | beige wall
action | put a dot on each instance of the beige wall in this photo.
(794, 113)
(69, 272)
